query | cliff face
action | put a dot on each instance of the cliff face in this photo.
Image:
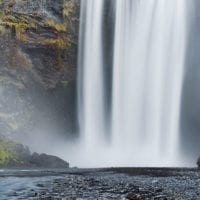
(38, 57)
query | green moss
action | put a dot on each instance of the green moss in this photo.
(33, 28)
(17, 20)
(22, 23)
(60, 27)
(68, 7)
(7, 152)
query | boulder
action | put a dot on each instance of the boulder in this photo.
(47, 161)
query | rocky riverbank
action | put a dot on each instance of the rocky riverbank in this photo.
(130, 183)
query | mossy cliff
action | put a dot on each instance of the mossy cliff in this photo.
(37, 29)
(34, 30)
(38, 58)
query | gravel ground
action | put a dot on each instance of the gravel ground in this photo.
(102, 184)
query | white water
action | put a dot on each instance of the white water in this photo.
(149, 51)
(91, 84)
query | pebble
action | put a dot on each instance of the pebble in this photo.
(110, 186)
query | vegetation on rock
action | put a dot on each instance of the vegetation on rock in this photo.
(38, 29)
(25, 26)
(17, 155)
(9, 153)
(6, 151)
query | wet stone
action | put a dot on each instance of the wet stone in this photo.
(109, 186)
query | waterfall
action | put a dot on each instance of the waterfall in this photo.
(91, 81)
(148, 69)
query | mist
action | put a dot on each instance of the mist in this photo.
(111, 97)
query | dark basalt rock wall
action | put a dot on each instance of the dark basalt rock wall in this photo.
(38, 58)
